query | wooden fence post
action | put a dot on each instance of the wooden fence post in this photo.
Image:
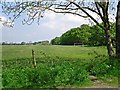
(33, 57)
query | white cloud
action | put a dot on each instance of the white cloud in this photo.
(2, 19)
(62, 22)
(0, 26)
(6, 22)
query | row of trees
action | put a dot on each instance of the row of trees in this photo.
(27, 43)
(85, 34)
(80, 8)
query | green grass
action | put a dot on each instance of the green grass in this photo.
(57, 66)
(24, 51)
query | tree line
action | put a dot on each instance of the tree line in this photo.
(27, 43)
(85, 34)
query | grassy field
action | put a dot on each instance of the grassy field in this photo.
(24, 51)
(57, 66)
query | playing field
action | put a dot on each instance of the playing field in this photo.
(10, 52)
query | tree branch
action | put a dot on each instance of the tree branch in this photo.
(68, 12)
(91, 10)
(100, 14)
(88, 15)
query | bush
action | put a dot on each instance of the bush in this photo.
(103, 65)
(70, 74)
(58, 73)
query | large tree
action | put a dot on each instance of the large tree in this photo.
(81, 8)
(118, 31)
(77, 35)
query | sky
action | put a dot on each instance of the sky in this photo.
(51, 25)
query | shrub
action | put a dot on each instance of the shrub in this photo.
(58, 73)
(103, 65)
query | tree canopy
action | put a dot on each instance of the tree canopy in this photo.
(85, 34)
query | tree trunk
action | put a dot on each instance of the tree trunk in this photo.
(109, 42)
(107, 29)
(108, 39)
(118, 31)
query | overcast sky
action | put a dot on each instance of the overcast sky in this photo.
(51, 26)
